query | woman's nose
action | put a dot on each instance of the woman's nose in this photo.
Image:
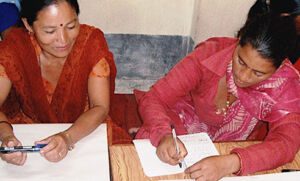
(62, 37)
(245, 75)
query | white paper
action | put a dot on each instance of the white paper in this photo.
(88, 161)
(198, 146)
(289, 176)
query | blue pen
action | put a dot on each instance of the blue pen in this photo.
(35, 148)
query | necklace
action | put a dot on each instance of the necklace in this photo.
(224, 109)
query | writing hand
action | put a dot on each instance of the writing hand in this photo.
(16, 158)
(166, 150)
(214, 168)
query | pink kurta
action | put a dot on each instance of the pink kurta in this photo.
(195, 79)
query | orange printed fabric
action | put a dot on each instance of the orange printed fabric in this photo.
(101, 69)
(2, 72)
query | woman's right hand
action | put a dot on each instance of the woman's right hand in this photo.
(16, 158)
(166, 150)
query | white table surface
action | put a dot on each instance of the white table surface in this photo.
(88, 161)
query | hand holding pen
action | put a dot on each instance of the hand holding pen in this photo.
(166, 150)
(16, 158)
(182, 162)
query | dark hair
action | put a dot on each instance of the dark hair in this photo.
(273, 37)
(258, 8)
(31, 8)
(291, 7)
(275, 7)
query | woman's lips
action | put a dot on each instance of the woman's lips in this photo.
(62, 48)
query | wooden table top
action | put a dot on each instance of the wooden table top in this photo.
(125, 164)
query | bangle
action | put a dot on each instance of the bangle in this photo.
(66, 136)
(7, 124)
(239, 172)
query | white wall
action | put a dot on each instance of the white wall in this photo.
(218, 18)
(152, 17)
(199, 19)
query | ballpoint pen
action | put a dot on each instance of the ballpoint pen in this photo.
(290, 170)
(177, 147)
(35, 148)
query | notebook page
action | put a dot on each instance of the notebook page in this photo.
(198, 146)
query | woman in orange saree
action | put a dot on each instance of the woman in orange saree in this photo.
(60, 71)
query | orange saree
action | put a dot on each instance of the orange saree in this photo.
(69, 98)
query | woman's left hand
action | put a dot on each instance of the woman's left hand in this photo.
(214, 168)
(56, 149)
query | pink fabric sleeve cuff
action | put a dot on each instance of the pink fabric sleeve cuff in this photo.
(157, 134)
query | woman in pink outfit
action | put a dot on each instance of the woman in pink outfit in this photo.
(225, 87)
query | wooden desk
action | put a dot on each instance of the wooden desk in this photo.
(125, 164)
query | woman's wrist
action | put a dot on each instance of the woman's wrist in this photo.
(6, 123)
(6, 130)
(235, 163)
(68, 139)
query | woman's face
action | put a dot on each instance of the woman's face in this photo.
(56, 29)
(249, 68)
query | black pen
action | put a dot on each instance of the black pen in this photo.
(35, 148)
(290, 170)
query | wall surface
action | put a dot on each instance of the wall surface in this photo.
(148, 38)
(218, 18)
(151, 17)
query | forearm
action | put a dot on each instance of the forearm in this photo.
(280, 147)
(155, 118)
(87, 123)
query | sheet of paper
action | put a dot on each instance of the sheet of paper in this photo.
(198, 145)
(290, 176)
(87, 161)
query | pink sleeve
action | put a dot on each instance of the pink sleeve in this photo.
(280, 147)
(155, 105)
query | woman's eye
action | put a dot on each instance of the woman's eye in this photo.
(258, 74)
(71, 27)
(50, 32)
(241, 62)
